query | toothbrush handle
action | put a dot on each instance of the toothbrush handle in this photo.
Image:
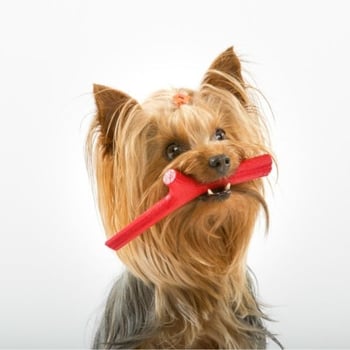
(141, 223)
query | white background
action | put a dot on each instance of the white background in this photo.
(55, 270)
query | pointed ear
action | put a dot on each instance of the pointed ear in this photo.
(227, 63)
(110, 105)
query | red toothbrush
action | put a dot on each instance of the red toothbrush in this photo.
(183, 189)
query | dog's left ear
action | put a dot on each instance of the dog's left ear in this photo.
(227, 63)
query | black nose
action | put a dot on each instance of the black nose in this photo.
(221, 163)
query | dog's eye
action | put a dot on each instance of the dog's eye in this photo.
(173, 150)
(219, 135)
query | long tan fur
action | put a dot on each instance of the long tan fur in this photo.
(194, 260)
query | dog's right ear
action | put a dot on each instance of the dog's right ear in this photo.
(111, 104)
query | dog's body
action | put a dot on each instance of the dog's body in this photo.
(187, 284)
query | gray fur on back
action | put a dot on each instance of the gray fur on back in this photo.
(128, 317)
(129, 320)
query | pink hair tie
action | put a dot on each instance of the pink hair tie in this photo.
(181, 99)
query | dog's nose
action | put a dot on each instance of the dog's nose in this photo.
(221, 163)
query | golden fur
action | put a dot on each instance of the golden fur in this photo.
(194, 259)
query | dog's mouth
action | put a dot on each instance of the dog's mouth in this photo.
(216, 194)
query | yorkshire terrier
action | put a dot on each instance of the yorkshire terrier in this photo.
(186, 284)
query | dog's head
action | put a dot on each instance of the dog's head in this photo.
(204, 134)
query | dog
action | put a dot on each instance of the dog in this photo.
(186, 282)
